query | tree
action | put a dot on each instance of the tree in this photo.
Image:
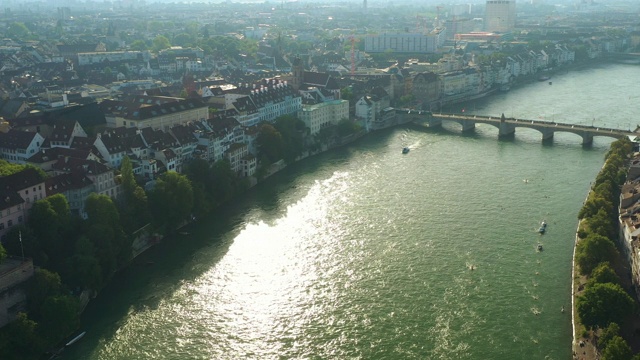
(43, 284)
(17, 30)
(603, 273)
(292, 130)
(3, 253)
(83, 269)
(182, 39)
(106, 232)
(20, 340)
(7, 168)
(223, 182)
(593, 250)
(603, 304)
(133, 205)
(51, 224)
(601, 223)
(160, 43)
(617, 349)
(346, 93)
(60, 316)
(270, 143)
(607, 335)
(594, 203)
(199, 173)
(171, 200)
(138, 45)
(346, 127)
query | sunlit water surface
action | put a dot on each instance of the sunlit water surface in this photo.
(366, 253)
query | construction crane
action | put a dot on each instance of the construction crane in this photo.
(353, 54)
(438, 15)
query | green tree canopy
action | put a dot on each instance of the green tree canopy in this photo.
(593, 250)
(595, 202)
(3, 253)
(603, 273)
(60, 316)
(106, 232)
(223, 182)
(171, 200)
(83, 269)
(347, 127)
(19, 340)
(42, 285)
(270, 143)
(617, 349)
(133, 205)
(50, 220)
(292, 130)
(17, 30)
(160, 43)
(601, 223)
(603, 304)
(607, 335)
(183, 39)
(138, 45)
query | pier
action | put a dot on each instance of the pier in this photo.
(507, 125)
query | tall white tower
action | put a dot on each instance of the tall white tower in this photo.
(500, 15)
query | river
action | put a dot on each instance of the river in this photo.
(366, 253)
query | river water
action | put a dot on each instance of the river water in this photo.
(366, 253)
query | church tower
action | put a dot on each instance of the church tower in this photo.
(298, 73)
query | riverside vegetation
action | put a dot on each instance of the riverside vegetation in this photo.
(604, 308)
(75, 255)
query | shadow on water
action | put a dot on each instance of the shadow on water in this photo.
(143, 284)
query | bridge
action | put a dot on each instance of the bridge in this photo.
(507, 126)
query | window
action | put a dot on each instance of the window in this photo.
(10, 223)
(1, 226)
(20, 219)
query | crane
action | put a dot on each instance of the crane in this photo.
(353, 54)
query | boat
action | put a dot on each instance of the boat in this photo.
(405, 150)
(75, 339)
(539, 247)
(543, 228)
(550, 82)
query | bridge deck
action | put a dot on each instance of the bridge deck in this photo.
(543, 126)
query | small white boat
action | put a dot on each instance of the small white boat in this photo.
(75, 339)
(405, 150)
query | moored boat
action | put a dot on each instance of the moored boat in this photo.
(75, 339)
(405, 150)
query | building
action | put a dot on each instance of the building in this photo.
(500, 15)
(426, 87)
(321, 115)
(18, 192)
(14, 273)
(90, 58)
(418, 43)
(156, 112)
(17, 146)
(458, 26)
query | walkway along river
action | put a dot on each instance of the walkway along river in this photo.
(366, 253)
